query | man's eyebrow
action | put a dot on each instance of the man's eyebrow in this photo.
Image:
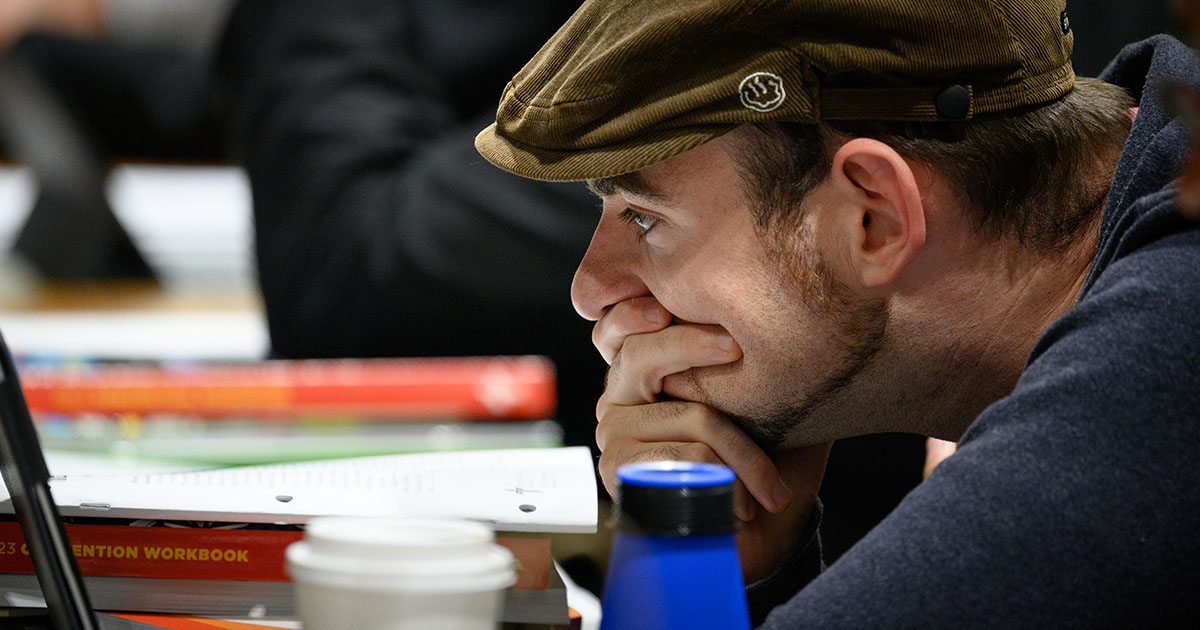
(632, 183)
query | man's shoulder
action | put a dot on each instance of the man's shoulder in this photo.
(1129, 347)
(1135, 315)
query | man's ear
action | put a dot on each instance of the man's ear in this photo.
(883, 219)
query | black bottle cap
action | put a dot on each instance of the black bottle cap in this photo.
(677, 498)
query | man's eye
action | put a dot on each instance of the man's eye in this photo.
(640, 219)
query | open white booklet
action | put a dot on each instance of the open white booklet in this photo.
(517, 490)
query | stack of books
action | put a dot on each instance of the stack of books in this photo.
(211, 542)
(278, 411)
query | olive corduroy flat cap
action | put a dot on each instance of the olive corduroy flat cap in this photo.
(627, 83)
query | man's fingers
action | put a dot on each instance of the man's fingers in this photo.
(692, 432)
(637, 372)
(629, 317)
(744, 504)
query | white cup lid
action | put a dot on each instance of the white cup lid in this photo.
(415, 555)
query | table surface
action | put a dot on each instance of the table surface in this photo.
(127, 295)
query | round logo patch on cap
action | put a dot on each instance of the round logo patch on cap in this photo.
(762, 91)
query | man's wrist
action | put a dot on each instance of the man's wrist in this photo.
(803, 565)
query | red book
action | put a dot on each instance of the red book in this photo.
(210, 553)
(511, 388)
(190, 622)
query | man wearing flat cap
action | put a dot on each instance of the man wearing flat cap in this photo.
(827, 219)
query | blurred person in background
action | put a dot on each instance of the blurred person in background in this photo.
(85, 82)
(378, 231)
(192, 25)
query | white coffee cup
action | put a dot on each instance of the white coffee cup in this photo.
(398, 574)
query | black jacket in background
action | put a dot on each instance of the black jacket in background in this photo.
(379, 230)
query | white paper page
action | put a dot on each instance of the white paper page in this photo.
(61, 463)
(534, 490)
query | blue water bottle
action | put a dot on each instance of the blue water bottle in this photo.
(674, 563)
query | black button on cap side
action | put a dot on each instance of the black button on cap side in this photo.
(953, 102)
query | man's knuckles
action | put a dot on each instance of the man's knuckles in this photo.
(628, 452)
(674, 420)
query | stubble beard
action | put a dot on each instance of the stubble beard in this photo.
(857, 326)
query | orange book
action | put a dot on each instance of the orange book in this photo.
(192, 622)
(213, 553)
(511, 388)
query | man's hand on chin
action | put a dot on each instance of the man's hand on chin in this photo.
(637, 423)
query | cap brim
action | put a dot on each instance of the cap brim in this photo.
(590, 163)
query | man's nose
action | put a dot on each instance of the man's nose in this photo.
(608, 272)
